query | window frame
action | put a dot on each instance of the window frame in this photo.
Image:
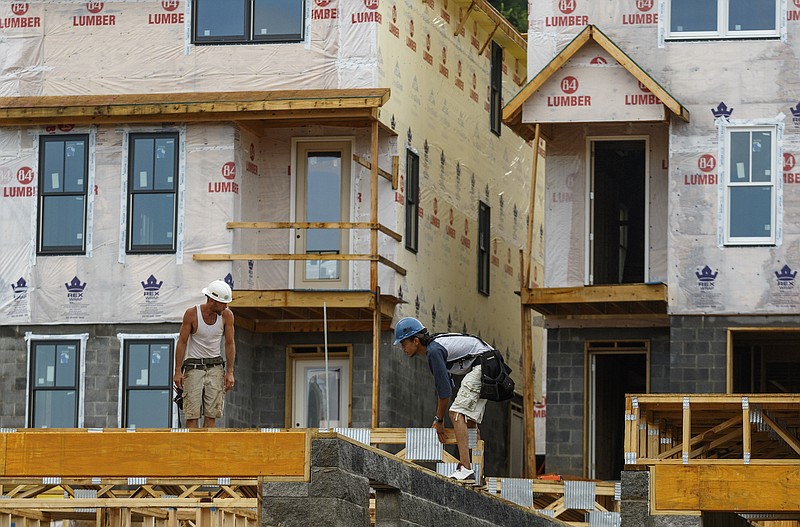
(411, 237)
(249, 37)
(774, 183)
(33, 341)
(484, 247)
(124, 367)
(496, 89)
(722, 31)
(56, 250)
(130, 194)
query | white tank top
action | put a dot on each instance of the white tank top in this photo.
(205, 342)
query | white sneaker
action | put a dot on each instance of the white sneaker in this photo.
(462, 473)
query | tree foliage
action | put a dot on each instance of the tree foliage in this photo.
(515, 11)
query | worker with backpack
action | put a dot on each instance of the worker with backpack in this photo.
(458, 354)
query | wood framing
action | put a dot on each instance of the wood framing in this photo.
(301, 311)
(294, 105)
(595, 300)
(512, 113)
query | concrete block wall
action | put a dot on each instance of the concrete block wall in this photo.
(101, 395)
(338, 495)
(565, 387)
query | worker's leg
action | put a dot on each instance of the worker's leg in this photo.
(468, 407)
(462, 437)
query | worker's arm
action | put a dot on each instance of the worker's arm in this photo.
(230, 348)
(441, 411)
(180, 349)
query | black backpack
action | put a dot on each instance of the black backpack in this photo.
(496, 384)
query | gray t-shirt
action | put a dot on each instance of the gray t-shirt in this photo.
(452, 354)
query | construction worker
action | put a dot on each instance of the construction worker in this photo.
(449, 354)
(200, 371)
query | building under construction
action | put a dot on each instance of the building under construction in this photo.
(671, 130)
(340, 166)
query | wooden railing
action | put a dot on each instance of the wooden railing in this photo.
(298, 256)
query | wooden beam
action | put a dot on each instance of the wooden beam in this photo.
(376, 359)
(313, 225)
(290, 298)
(261, 257)
(463, 21)
(596, 293)
(381, 172)
(725, 488)
(488, 39)
(373, 206)
(531, 208)
(316, 326)
(87, 454)
(183, 107)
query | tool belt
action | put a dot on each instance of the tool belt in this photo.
(202, 364)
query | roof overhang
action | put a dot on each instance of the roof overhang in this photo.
(280, 108)
(297, 311)
(495, 24)
(513, 111)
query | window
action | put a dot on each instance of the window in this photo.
(412, 201)
(152, 192)
(750, 185)
(147, 383)
(484, 241)
(496, 89)
(63, 173)
(220, 21)
(54, 376)
(699, 19)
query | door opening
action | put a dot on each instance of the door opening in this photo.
(615, 369)
(766, 361)
(323, 196)
(618, 216)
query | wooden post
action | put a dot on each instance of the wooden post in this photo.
(373, 271)
(376, 357)
(687, 430)
(746, 430)
(528, 400)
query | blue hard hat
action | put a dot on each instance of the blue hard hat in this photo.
(407, 327)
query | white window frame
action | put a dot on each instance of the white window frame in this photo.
(726, 128)
(82, 339)
(722, 25)
(122, 337)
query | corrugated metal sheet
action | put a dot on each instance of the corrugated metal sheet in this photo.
(422, 444)
(603, 519)
(517, 490)
(579, 495)
(362, 435)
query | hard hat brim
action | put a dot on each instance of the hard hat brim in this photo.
(209, 295)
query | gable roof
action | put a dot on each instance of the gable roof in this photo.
(512, 112)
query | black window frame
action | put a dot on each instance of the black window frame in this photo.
(412, 201)
(131, 194)
(484, 244)
(34, 389)
(249, 37)
(496, 90)
(127, 388)
(44, 194)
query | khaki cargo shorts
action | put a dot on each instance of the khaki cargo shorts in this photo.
(203, 392)
(468, 400)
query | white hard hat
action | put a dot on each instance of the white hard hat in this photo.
(219, 291)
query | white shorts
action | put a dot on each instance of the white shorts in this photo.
(468, 400)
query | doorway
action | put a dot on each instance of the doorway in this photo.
(323, 196)
(615, 369)
(618, 216)
(321, 397)
(764, 361)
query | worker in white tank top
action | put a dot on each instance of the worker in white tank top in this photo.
(201, 375)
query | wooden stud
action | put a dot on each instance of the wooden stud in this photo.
(376, 359)
(463, 21)
(488, 39)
